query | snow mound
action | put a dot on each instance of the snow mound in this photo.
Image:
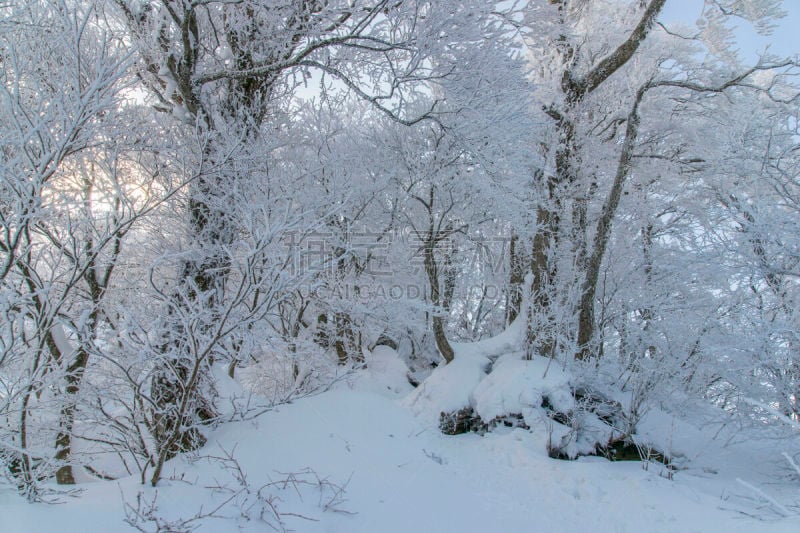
(517, 386)
(385, 373)
(449, 387)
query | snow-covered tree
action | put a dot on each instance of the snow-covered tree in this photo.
(67, 203)
(598, 66)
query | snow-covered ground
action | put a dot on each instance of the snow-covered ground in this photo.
(374, 438)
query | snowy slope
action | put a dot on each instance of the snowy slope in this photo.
(401, 474)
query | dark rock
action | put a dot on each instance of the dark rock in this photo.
(513, 420)
(606, 409)
(625, 449)
(557, 416)
(464, 420)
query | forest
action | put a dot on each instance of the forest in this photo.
(558, 231)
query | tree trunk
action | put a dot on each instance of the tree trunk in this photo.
(586, 321)
(202, 286)
(541, 330)
(74, 377)
(575, 86)
(432, 269)
(517, 269)
(97, 283)
(647, 312)
(347, 349)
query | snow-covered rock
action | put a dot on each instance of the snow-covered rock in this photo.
(449, 387)
(385, 373)
(517, 386)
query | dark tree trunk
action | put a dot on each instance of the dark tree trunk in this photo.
(64, 475)
(97, 281)
(432, 269)
(576, 86)
(586, 322)
(517, 268)
(346, 345)
(202, 286)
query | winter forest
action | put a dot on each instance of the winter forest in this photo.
(396, 265)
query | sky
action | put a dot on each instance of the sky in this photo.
(784, 41)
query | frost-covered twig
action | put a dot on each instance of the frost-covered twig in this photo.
(782, 510)
(792, 462)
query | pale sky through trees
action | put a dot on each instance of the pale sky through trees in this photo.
(783, 41)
